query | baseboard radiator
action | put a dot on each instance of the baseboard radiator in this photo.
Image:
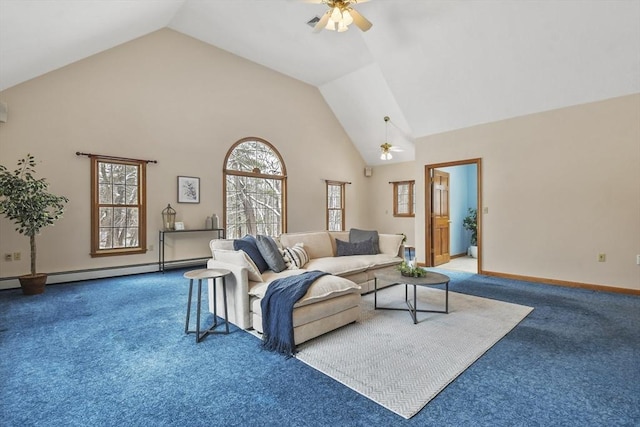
(101, 273)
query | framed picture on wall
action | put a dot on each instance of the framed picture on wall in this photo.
(188, 189)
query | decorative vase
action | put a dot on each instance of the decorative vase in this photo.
(33, 284)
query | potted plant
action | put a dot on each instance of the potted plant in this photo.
(470, 222)
(407, 269)
(26, 201)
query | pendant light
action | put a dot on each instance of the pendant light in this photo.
(386, 147)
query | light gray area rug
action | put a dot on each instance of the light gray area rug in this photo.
(402, 366)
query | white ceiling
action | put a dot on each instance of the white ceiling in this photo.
(430, 65)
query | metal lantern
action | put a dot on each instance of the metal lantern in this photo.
(169, 218)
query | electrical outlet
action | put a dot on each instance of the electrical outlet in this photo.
(150, 247)
(602, 257)
(8, 257)
(638, 259)
(17, 256)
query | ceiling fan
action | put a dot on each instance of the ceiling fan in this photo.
(340, 15)
(386, 148)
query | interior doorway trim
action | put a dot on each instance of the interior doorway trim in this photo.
(428, 169)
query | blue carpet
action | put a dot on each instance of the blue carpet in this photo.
(113, 352)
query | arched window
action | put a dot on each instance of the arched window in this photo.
(255, 183)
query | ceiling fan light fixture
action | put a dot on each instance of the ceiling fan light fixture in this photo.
(336, 14)
(347, 18)
(339, 16)
(386, 147)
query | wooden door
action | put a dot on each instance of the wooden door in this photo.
(440, 218)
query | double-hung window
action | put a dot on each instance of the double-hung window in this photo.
(404, 198)
(118, 207)
(335, 205)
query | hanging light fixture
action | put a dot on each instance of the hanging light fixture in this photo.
(339, 19)
(386, 147)
(339, 16)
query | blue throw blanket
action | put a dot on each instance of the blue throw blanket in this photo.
(277, 310)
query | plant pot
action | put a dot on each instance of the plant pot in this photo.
(33, 284)
(473, 251)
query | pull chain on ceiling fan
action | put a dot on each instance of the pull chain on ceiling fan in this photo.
(340, 15)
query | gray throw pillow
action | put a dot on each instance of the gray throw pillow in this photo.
(357, 248)
(249, 245)
(269, 250)
(356, 235)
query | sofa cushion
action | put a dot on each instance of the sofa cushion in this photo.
(295, 257)
(238, 258)
(271, 253)
(249, 244)
(342, 266)
(356, 235)
(324, 288)
(226, 244)
(339, 265)
(390, 244)
(364, 247)
(317, 244)
(312, 311)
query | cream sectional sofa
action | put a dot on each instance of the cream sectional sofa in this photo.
(331, 302)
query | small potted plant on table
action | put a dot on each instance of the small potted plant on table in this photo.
(407, 269)
(26, 201)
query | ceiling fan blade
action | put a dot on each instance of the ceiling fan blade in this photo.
(322, 22)
(396, 149)
(360, 21)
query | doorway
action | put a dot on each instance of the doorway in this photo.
(444, 234)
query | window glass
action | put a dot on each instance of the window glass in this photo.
(255, 188)
(335, 206)
(404, 198)
(117, 211)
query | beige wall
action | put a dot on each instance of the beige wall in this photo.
(174, 99)
(381, 199)
(560, 187)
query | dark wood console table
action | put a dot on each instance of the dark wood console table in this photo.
(219, 231)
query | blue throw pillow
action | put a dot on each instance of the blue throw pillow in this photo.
(356, 235)
(357, 248)
(249, 245)
(269, 250)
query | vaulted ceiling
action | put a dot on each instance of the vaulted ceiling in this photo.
(430, 65)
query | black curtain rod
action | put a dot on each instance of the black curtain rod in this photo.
(115, 157)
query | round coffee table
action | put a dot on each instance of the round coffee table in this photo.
(393, 277)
